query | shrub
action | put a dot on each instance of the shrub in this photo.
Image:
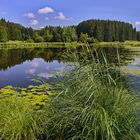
(83, 38)
(92, 40)
(30, 41)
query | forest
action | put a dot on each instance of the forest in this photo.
(86, 31)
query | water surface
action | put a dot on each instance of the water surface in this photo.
(18, 67)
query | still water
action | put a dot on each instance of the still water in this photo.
(132, 70)
(19, 67)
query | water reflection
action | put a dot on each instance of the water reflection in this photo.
(132, 71)
(12, 57)
(19, 66)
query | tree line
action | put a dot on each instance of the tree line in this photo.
(107, 30)
(86, 31)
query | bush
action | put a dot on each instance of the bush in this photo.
(83, 38)
(30, 41)
(39, 39)
(92, 40)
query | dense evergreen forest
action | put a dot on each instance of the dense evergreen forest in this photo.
(106, 30)
(90, 30)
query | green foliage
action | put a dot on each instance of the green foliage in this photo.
(15, 34)
(90, 103)
(38, 38)
(93, 105)
(21, 114)
(58, 34)
(3, 35)
(92, 40)
(18, 121)
(36, 96)
(30, 41)
(16, 31)
(138, 36)
(47, 36)
(83, 38)
(106, 30)
(102, 30)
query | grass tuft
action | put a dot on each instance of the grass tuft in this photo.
(93, 105)
(18, 121)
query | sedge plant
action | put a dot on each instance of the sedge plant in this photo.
(93, 103)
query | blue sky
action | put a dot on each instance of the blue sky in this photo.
(38, 13)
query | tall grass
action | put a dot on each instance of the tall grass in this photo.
(18, 121)
(93, 104)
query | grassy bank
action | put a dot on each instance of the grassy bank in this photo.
(126, 44)
(90, 103)
(20, 44)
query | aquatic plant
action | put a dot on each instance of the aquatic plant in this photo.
(37, 96)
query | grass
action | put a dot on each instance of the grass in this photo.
(131, 71)
(21, 117)
(20, 44)
(116, 44)
(132, 43)
(23, 44)
(91, 103)
(18, 121)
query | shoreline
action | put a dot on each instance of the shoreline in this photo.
(18, 44)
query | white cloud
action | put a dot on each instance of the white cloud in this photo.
(29, 15)
(34, 22)
(46, 18)
(137, 23)
(61, 16)
(45, 10)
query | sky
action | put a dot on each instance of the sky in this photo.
(39, 13)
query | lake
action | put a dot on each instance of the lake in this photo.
(20, 67)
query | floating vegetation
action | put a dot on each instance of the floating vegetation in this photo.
(35, 95)
(131, 71)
